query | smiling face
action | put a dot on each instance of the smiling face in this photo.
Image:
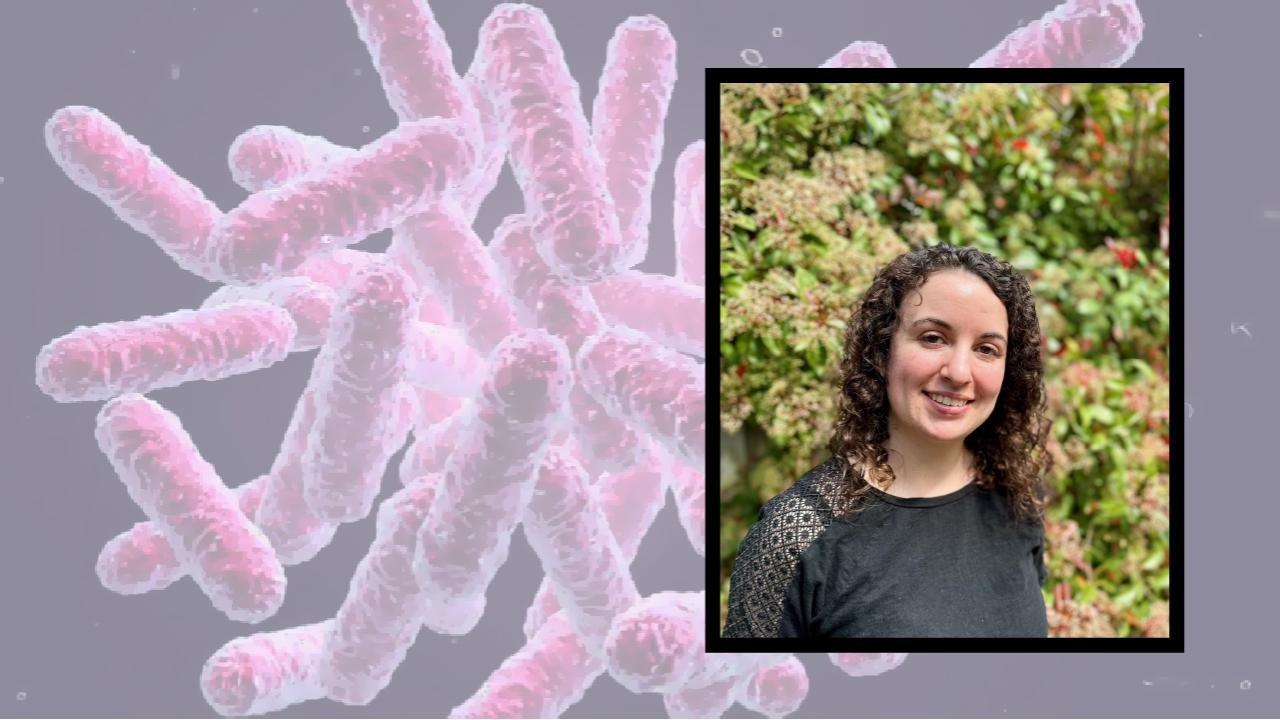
(951, 338)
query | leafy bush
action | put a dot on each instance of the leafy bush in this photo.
(821, 184)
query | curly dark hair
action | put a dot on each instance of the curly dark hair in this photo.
(1010, 446)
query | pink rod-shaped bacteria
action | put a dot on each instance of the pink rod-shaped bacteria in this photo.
(544, 678)
(568, 311)
(138, 356)
(654, 388)
(626, 123)
(554, 161)
(490, 474)
(358, 373)
(689, 214)
(413, 59)
(1077, 33)
(141, 560)
(861, 54)
(229, 558)
(566, 527)
(264, 672)
(671, 312)
(296, 532)
(657, 645)
(710, 701)
(147, 194)
(630, 500)
(454, 266)
(308, 302)
(274, 230)
(775, 690)
(493, 155)
(440, 358)
(432, 444)
(382, 613)
(334, 269)
(688, 485)
(865, 664)
(267, 156)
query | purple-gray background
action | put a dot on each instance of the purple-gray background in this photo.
(187, 77)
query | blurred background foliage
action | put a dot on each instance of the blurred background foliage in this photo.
(821, 184)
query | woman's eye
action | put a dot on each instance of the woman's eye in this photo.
(930, 338)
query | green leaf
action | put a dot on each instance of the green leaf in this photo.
(746, 222)
(1103, 414)
(1057, 203)
(952, 155)
(1089, 306)
(805, 279)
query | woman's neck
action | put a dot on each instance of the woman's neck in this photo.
(929, 471)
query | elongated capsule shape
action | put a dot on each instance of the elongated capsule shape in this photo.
(490, 474)
(308, 303)
(264, 672)
(357, 376)
(668, 310)
(101, 158)
(382, 613)
(141, 560)
(275, 230)
(566, 527)
(1076, 33)
(630, 499)
(650, 386)
(861, 54)
(229, 558)
(776, 689)
(626, 123)
(154, 352)
(689, 214)
(689, 486)
(554, 161)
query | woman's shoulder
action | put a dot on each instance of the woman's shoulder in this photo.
(818, 492)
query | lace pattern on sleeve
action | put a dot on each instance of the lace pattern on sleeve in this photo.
(770, 552)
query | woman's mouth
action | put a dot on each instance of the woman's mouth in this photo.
(937, 403)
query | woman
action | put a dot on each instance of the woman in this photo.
(928, 519)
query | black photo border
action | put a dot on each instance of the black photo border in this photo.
(1175, 643)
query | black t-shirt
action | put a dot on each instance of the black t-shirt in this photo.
(955, 565)
(949, 566)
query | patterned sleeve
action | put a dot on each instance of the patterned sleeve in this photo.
(768, 558)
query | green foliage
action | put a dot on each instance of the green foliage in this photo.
(822, 184)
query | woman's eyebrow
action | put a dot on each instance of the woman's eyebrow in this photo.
(947, 326)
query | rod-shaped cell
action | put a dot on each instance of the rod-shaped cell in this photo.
(1076, 33)
(523, 70)
(266, 156)
(630, 500)
(668, 310)
(542, 679)
(274, 230)
(569, 312)
(141, 560)
(453, 265)
(709, 701)
(567, 529)
(689, 214)
(626, 123)
(861, 54)
(689, 486)
(101, 158)
(382, 613)
(777, 689)
(296, 532)
(866, 664)
(357, 376)
(438, 357)
(658, 646)
(652, 387)
(308, 302)
(229, 558)
(490, 473)
(264, 672)
(153, 352)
